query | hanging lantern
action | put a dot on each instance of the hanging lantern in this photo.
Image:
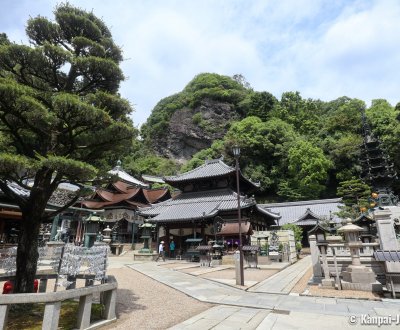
(374, 195)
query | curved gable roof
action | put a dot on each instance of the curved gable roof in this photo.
(210, 169)
(295, 212)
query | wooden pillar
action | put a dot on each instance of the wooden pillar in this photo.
(43, 285)
(1, 228)
(167, 241)
(203, 232)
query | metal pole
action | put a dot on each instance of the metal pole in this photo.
(240, 224)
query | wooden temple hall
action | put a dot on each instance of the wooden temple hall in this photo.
(208, 196)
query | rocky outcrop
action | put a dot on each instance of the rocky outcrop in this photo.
(191, 130)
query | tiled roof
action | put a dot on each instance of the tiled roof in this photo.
(17, 189)
(306, 222)
(153, 195)
(381, 255)
(295, 211)
(118, 171)
(232, 228)
(211, 168)
(196, 205)
(61, 196)
(152, 178)
(109, 196)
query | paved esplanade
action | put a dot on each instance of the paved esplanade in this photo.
(284, 281)
(253, 310)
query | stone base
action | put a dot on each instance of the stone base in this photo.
(263, 260)
(215, 262)
(138, 256)
(315, 280)
(327, 283)
(228, 259)
(358, 274)
(370, 287)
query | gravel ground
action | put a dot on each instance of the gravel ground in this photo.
(143, 303)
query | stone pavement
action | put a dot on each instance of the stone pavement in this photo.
(254, 310)
(284, 281)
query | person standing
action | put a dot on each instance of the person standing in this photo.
(172, 249)
(161, 252)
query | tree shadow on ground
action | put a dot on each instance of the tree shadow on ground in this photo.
(126, 302)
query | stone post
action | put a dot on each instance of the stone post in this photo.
(315, 259)
(327, 282)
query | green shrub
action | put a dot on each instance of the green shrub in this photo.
(197, 118)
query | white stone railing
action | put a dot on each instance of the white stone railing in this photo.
(343, 258)
(367, 249)
(52, 301)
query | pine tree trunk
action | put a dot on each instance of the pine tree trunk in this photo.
(27, 254)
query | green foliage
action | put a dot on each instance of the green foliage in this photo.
(61, 117)
(307, 170)
(297, 231)
(151, 165)
(297, 148)
(258, 104)
(197, 118)
(355, 196)
(214, 152)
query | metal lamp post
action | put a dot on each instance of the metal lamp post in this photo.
(236, 154)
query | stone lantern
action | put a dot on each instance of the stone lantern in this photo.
(356, 276)
(107, 236)
(92, 224)
(146, 235)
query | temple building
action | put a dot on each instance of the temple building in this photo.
(307, 214)
(120, 201)
(208, 196)
(11, 216)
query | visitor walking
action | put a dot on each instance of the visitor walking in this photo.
(172, 249)
(161, 252)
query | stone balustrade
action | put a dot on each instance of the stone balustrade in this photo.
(343, 258)
(367, 249)
(52, 301)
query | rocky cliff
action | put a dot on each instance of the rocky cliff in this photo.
(184, 123)
(191, 130)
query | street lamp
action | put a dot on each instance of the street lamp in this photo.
(236, 154)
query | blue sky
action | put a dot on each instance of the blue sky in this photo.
(323, 49)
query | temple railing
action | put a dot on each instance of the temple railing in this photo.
(52, 301)
(343, 258)
(341, 250)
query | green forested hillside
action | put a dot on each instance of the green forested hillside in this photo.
(297, 148)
